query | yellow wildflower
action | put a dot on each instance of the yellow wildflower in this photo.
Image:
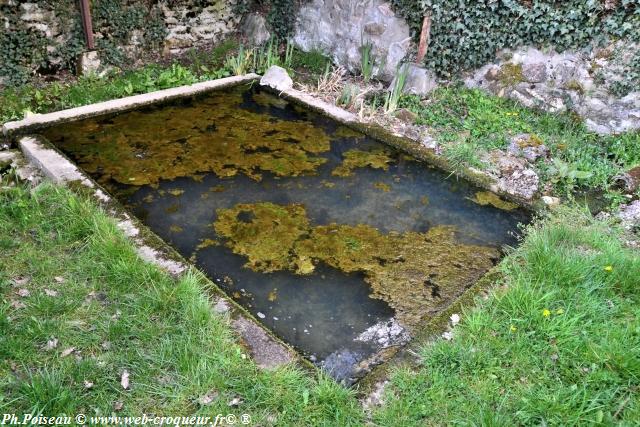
(559, 311)
(608, 268)
(546, 312)
(513, 328)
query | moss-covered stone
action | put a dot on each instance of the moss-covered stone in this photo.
(415, 273)
(353, 159)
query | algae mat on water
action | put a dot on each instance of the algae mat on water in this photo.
(139, 148)
(415, 273)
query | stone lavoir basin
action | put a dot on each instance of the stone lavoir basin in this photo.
(339, 244)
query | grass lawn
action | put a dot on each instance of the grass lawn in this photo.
(78, 308)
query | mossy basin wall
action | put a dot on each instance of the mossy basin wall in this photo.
(338, 243)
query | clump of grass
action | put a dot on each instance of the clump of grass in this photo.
(367, 61)
(314, 61)
(558, 344)
(392, 98)
(348, 96)
(239, 63)
(89, 295)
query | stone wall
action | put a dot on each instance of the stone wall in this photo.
(122, 28)
(567, 81)
(190, 26)
(340, 27)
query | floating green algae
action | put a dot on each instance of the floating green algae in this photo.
(382, 186)
(485, 198)
(353, 159)
(139, 148)
(415, 273)
(346, 132)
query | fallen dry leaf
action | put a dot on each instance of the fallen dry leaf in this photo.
(23, 292)
(51, 293)
(51, 344)
(124, 380)
(17, 304)
(59, 279)
(21, 280)
(67, 351)
(235, 402)
(117, 406)
(208, 398)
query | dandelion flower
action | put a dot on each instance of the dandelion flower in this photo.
(546, 312)
(608, 268)
(513, 328)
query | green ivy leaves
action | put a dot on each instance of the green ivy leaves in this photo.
(467, 34)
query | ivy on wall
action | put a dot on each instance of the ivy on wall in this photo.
(466, 34)
(23, 49)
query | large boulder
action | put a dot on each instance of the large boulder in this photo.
(340, 27)
(277, 78)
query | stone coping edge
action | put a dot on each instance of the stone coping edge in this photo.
(37, 121)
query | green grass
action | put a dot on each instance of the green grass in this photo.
(314, 62)
(89, 291)
(487, 122)
(558, 345)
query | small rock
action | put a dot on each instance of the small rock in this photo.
(23, 292)
(447, 336)
(534, 73)
(406, 115)
(551, 202)
(260, 315)
(515, 177)
(419, 81)
(528, 146)
(277, 78)
(88, 385)
(51, 293)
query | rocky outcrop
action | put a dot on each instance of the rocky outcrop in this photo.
(340, 28)
(568, 81)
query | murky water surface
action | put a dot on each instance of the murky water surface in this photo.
(338, 243)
